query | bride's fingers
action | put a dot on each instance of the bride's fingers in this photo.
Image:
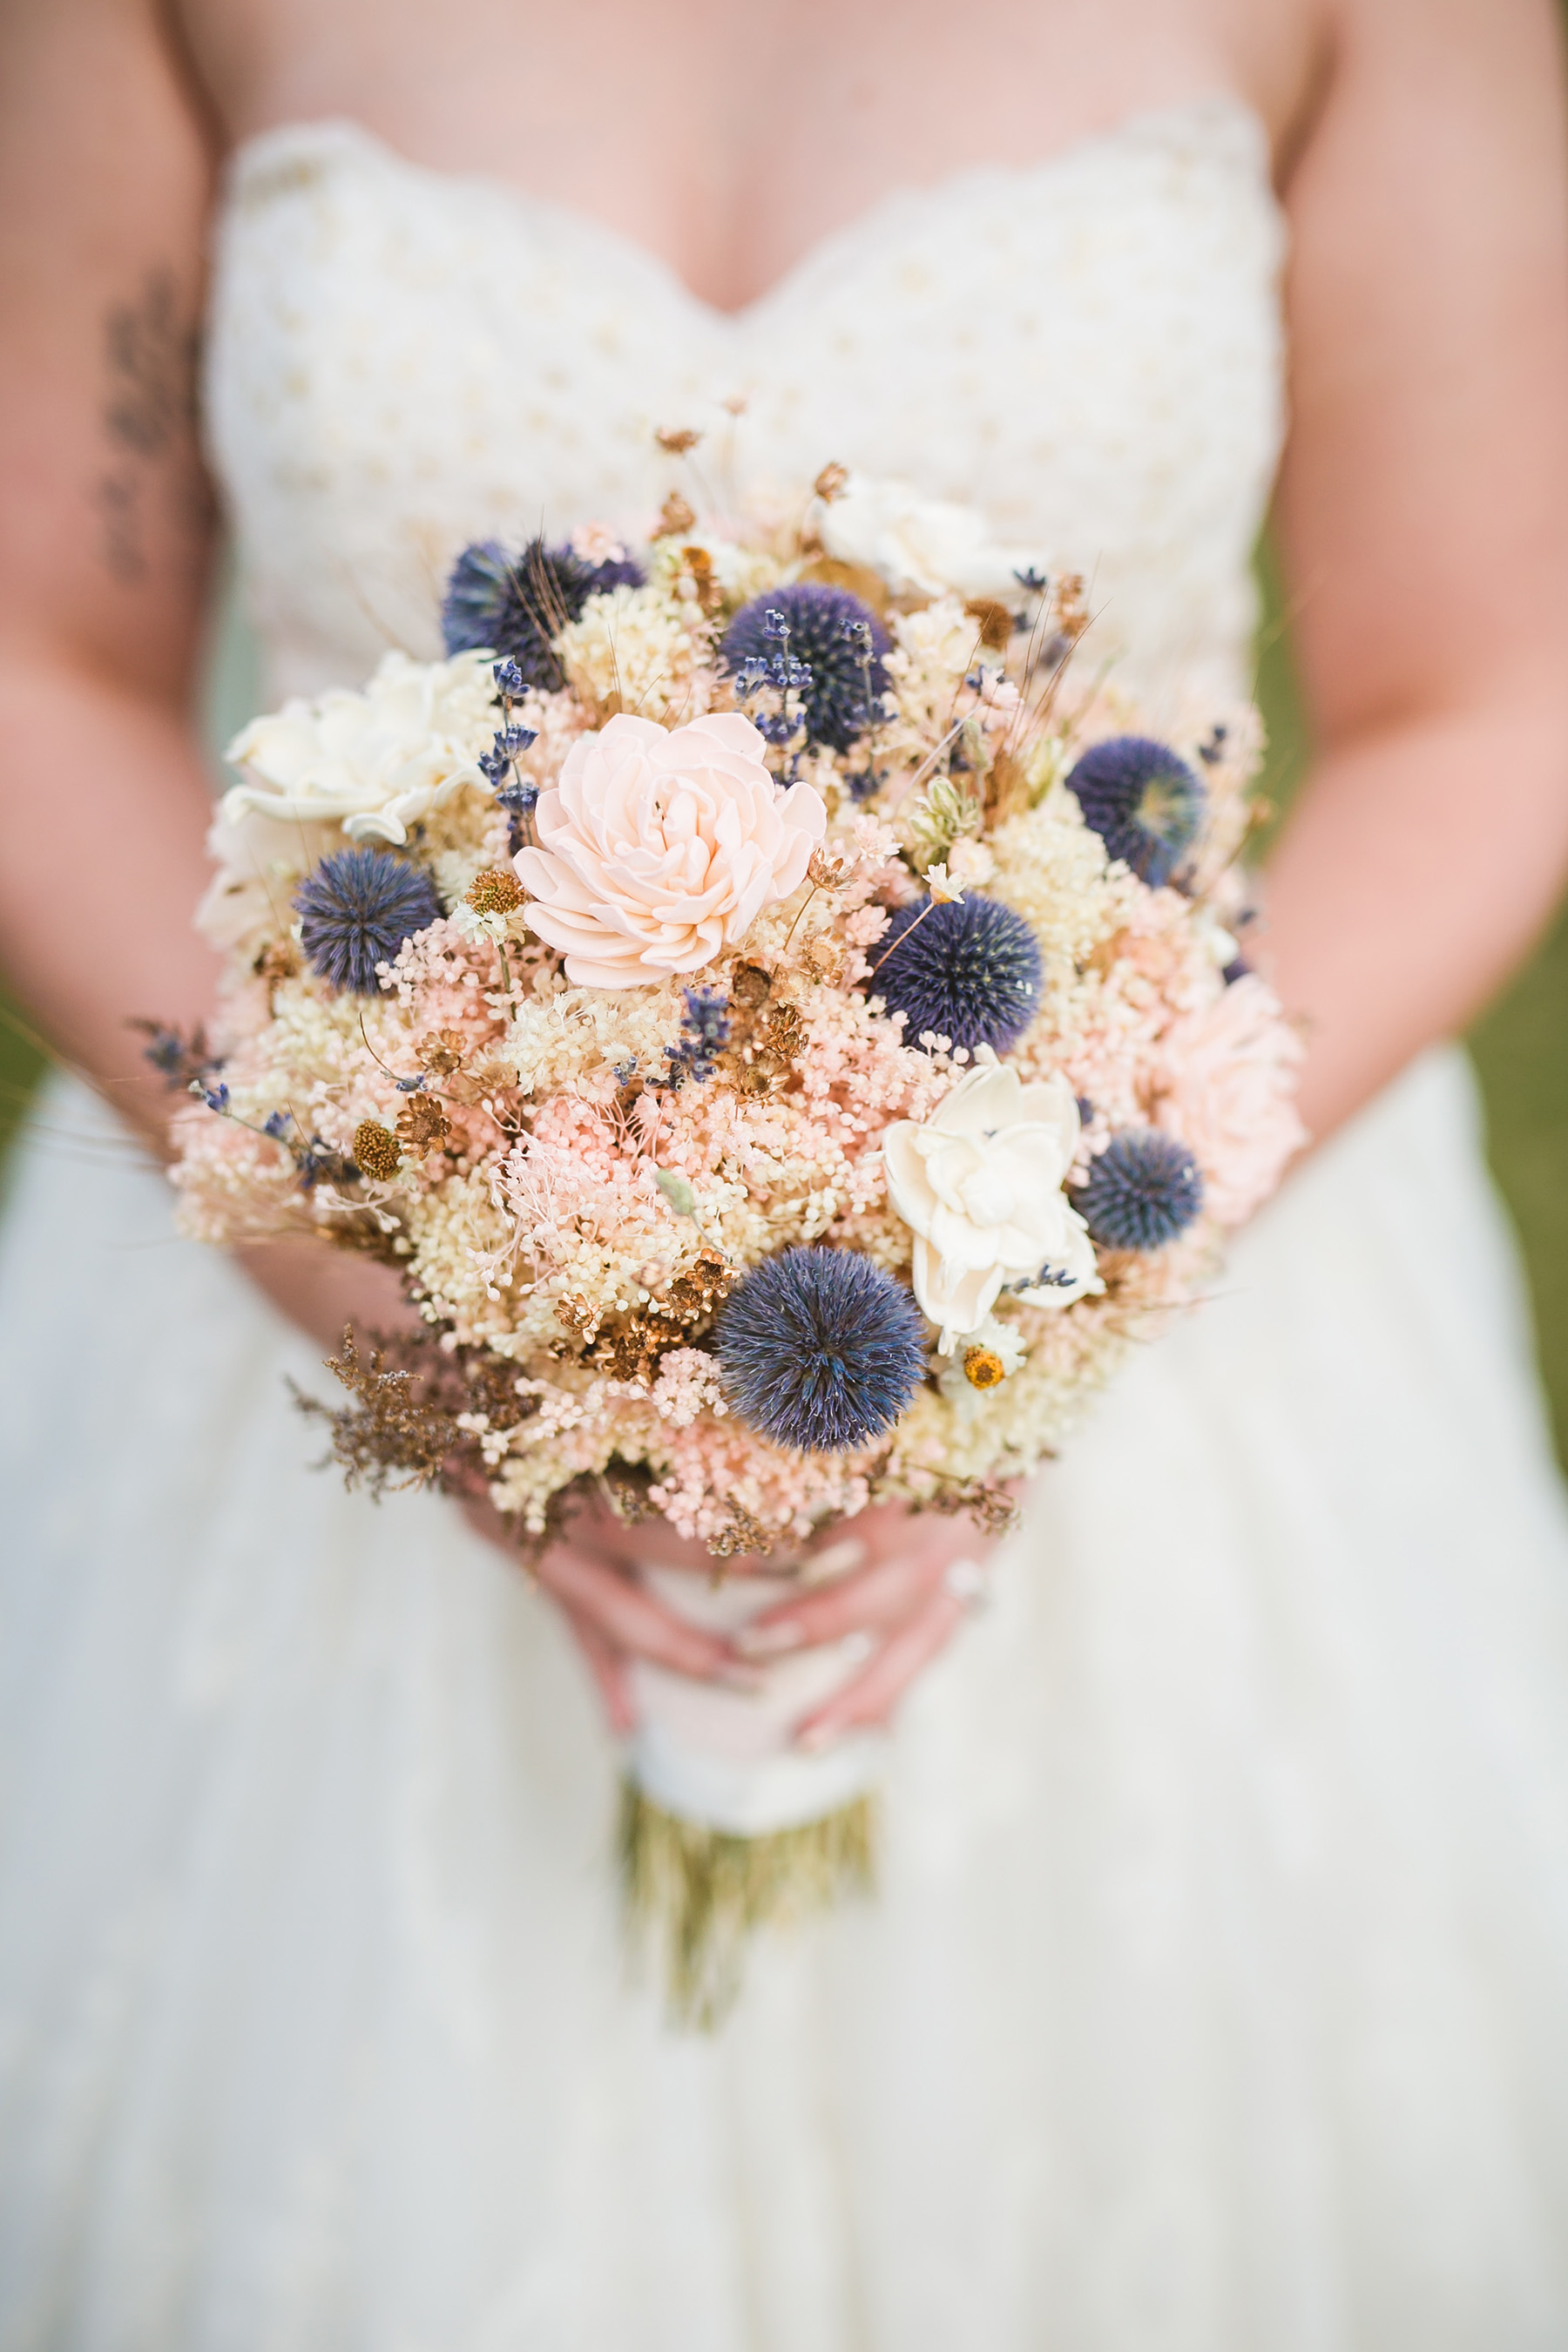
(629, 1618)
(872, 1698)
(874, 1600)
(608, 1667)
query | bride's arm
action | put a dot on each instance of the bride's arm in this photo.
(105, 185)
(1423, 517)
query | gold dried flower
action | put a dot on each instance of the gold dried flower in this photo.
(828, 873)
(749, 987)
(786, 1031)
(677, 440)
(710, 590)
(422, 1124)
(823, 957)
(494, 891)
(375, 1150)
(578, 1315)
(695, 1293)
(830, 482)
(984, 1368)
(675, 516)
(441, 1051)
(1072, 612)
(995, 621)
(743, 1535)
(276, 961)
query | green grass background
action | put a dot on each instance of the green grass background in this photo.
(1521, 1047)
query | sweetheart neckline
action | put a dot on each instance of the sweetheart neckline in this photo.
(252, 154)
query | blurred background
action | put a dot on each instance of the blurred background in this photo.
(1520, 1047)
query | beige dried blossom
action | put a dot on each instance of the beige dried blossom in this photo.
(422, 1125)
(441, 1052)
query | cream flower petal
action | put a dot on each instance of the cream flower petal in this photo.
(678, 839)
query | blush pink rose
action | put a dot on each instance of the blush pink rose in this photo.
(659, 847)
(1231, 1096)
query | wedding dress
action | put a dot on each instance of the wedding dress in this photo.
(1215, 1999)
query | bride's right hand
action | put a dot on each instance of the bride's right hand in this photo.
(613, 1619)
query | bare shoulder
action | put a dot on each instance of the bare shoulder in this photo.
(105, 188)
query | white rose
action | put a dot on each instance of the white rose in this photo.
(372, 763)
(921, 547)
(980, 1185)
(659, 849)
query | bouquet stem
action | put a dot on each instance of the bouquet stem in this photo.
(702, 1893)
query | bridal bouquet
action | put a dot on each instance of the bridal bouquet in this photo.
(783, 1010)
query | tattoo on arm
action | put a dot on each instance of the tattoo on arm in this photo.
(150, 359)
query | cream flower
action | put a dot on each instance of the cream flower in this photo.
(921, 547)
(372, 763)
(659, 850)
(980, 1185)
(1231, 1098)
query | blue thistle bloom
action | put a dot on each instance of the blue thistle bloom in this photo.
(839, 638)
(514, 604)
(1143, 1189)
(1145, 802)
(819, 1350)
(356, 911)
(970, 971)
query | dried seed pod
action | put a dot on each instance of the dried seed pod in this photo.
(749, 985)
(375, 1150)
(494, 891)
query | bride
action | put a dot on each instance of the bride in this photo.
(1213, 1997)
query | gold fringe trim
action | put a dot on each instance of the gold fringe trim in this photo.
(700, 1894)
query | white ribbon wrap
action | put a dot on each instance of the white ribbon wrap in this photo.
(726, 1757)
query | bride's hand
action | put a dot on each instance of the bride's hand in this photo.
(322, 1289)
(916, 1577)
(904, 1582)
(905, 1577)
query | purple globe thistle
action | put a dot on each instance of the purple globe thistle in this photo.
(819, 1350)
(970, 971)
(513, 605)
(1143, 1189)
(356, 911)
(841, 642)
(1145, 802)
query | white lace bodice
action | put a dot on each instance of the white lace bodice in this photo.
(401, 360)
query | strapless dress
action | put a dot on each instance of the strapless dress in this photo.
(1215, 1998)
